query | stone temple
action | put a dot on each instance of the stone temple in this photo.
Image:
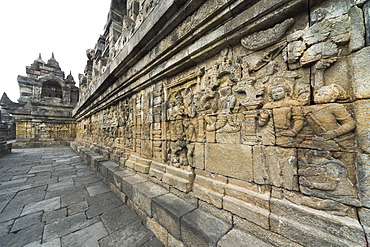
(222, 122)
(44, 113)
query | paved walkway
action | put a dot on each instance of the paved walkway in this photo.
(49, 197)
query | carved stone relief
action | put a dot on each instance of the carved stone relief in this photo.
(328, 175)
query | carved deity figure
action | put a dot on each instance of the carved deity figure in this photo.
(287, 115)
(331, 123)
(227, 101)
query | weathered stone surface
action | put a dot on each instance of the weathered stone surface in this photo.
(77, 208)
(230, 160)
(26, 221)
(159, 231)
(363, 161)
(87, 236)
(178, 178)
(366, 10)
(64, 226)
(143, 194)
(297, 224)
(364, 217)
(135, 234)
(24, 236)
(360, 77)
(199, 228)
(46, 205)
(97, 189)
(209, 190)
(361, 108)
(276, 166)
(357, 29)
(128, 182)
(321, 175)
(168, 211)
(236, 237)
(248, 201)
(265, 235)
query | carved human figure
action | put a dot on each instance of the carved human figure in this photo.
(178, 109)
(287, 115)
(189, 138)
(330, 122)
(189, 103)
(227, 101)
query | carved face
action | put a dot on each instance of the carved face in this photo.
(225, 91)
(325, 95)
(278, 93)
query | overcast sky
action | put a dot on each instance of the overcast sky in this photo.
(29, 27)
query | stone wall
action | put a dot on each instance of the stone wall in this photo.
(255, 112)
(44, 132)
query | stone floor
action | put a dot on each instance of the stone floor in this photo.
(49, 197)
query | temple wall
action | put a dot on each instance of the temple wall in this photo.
(44, 132)
(255, 112)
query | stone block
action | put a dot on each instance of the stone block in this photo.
(209, 190)
(366, 10)
(364, 217)
(219, 213)
(111, 168)
(118, 175)
(249, 211)
(229, 160)
(128, 182)
(88, 236)
(275, 166)
(237, 237)
(259, 199)
(199, 156)
(188, 175)
(178, 183)
(159, 231)
(357, 29)
(330, 175)
(96, 161)
(360, 73)
(265, 235)
(143, 194)
(361, 110)
(141, 168)
(172, 241)
(311, 227)
(157, 170)
(208, 195)
(363, 168)
(199, 228)
(213, 182)
(130, 162)
(168, 211)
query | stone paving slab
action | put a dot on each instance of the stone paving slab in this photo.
(49, 197)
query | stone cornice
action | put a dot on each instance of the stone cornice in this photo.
(138, 65)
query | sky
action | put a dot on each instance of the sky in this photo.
(29, 27)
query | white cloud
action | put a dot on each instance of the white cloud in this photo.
(29, 27)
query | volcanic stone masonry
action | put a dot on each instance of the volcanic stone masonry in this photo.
(43, 114)
(230, 122)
